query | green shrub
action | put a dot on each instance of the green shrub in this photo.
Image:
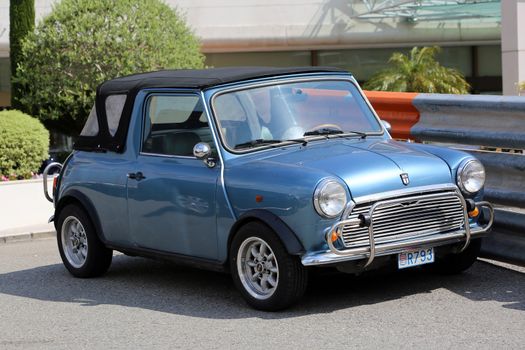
(22, 22)
(419, 71)
(24, 144)
(85, 42)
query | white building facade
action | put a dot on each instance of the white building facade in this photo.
(359, 35)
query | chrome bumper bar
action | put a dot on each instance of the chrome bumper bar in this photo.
(45, 174)
(335, 255)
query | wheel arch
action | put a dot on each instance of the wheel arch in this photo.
(80, 199)
(292, 244)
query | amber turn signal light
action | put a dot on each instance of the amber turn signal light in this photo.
(334, 236)
(474, 212)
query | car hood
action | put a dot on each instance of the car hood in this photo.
(368, 166)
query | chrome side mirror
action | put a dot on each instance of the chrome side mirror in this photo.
(202, 151)
(386, 125)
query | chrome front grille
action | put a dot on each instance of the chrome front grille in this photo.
(414, 216)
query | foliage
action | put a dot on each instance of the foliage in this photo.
(22, 22)
(418, 72)
(85, 42)
(24, 143)
(522, 86)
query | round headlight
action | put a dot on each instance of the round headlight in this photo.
(330, 198)
(471, 176)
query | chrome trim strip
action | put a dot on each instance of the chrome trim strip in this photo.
(404, 192)
(165, 155)
(212, 125)
(385, 130)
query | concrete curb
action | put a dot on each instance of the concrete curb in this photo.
(23, 182)
(23, 237)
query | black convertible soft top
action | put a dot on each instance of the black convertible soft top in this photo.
(102, 133)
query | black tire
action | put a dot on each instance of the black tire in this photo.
(292, 275)
(98, 257)
(452, 264)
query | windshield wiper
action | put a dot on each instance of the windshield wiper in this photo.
(332, 132)
(257, 142)
(363, 135)
(323, 131)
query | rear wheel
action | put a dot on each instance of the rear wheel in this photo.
(82, 252)
(456, 263)
(267, 276)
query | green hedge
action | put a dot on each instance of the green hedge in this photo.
(24, 144)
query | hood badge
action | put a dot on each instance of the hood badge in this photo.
(405, 179)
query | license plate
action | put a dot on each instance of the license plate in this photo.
(415, 258)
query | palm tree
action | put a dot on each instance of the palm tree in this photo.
(418, 72)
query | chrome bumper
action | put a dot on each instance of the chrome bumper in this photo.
(45, 174)
(335, 255)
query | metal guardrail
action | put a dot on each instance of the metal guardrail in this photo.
(482, 121)
(505, 177)
(497, 121)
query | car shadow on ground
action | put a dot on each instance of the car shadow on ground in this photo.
(163, 287)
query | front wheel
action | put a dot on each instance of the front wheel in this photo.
(267, 276)
(456, 263)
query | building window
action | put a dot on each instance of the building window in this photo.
(489, 61)
(276, 59)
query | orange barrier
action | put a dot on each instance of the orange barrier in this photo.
(397, 109)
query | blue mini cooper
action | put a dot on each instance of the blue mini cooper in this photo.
(265, 173)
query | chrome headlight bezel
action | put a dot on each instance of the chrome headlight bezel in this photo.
(462, 174)
(321, 190)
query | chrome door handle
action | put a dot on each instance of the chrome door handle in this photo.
(136, 176)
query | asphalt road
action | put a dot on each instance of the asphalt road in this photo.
(147, 304)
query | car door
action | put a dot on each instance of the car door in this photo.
(171, 194)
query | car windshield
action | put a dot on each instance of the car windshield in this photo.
(289, 112)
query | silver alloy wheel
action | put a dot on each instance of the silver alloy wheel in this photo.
(74, 241)
(257, 268)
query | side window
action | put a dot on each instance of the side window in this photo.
(91, 126)
(173, 124)
(114, 106)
